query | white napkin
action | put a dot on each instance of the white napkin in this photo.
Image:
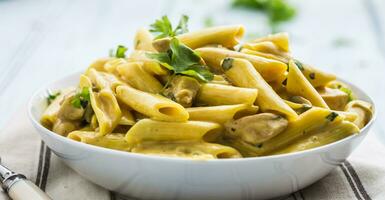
(361, 177)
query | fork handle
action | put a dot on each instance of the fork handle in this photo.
(25, 190)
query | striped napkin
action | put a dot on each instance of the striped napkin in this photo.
(361, 177)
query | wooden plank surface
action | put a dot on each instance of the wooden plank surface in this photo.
(44, 39)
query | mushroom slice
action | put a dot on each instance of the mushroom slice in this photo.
(363, 110)
(335, 98)
(183, 90)
(257, 128)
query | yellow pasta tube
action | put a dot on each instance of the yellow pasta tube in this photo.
(110, 141)
(217, 94)
(315, 76)
(152, 105)
(143, 40)
(241, 73)
(151, 130)
(266, 55)
(149, 65)
(311, 120)
(219, 114)
(105, 106)
(99, 64)
(191, 150)
(297, 84)
(103, 80)
(127, 118)
(226, 36)
(281, 40)
(133, 73)
(322, 137)
(270, 70)
(111, 65)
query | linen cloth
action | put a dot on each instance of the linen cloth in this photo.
(361, 177)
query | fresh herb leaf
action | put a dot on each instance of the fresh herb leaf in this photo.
(121, 51)
(348, 92)
(52, 97)
(277, 10)
(332, 116)
(227, 63)
(163, 27)
(81, 99)
(180, 59)
(299, 65)
(182, 25)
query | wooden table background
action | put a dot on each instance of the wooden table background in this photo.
(42, 40)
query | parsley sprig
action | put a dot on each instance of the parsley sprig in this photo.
(120, 52)
(163, 27)
(180, 59)
(81, 99)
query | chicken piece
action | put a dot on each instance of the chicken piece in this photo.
(63, 127)
(362, 109)
(256, 129)
(183, 90)
(68, 111)
(335, 98)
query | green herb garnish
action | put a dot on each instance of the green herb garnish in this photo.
(299, 65)
(163, 27)
(332, 116)
(180, 59)
(227, 63)
(81, 99)
(52, 97)
(121, 51)
(348, 92)
(277, 10)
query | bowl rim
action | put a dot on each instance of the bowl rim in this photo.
(98, 149)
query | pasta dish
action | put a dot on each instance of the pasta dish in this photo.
(205, 95)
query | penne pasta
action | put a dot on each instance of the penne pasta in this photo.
(297, 84)
(151, 130)
(195, 150)
(149, 65)
(220, 114)
(217, 94)
(111, 141)
(153, 105)
(270, 70)
(241, 73)
(105, 106)
(143, 40)
(202, 95)
(322, 137)
(311, 120)
(133, 73)
(226, 36)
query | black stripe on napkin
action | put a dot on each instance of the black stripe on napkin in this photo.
(43, 166)
(350, 181)
(47, 161)
(112, 195)
(357, 180)
(41, 153)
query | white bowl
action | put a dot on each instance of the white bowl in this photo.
(154, 177)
